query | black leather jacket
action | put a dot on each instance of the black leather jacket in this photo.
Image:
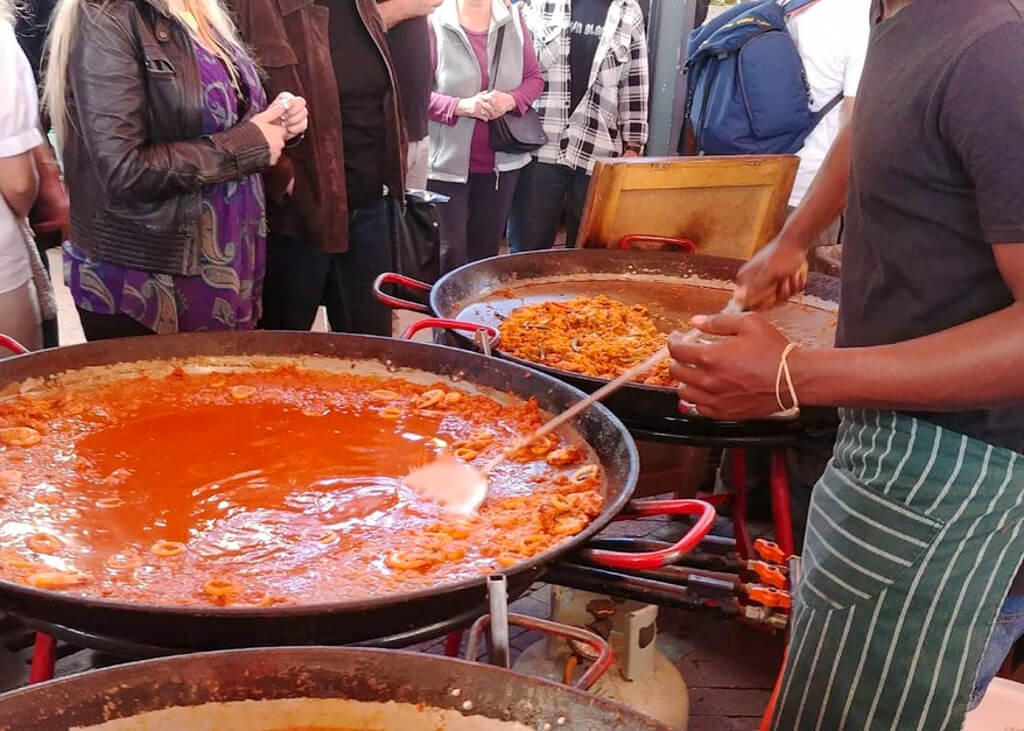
(135, 157)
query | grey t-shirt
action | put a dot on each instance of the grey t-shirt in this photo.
(937, 178)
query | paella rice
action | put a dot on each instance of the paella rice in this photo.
(595, 336)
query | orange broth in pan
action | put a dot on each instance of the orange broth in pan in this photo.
(273, 486)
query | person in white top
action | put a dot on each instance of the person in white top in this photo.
(19, 135)
(832, 37)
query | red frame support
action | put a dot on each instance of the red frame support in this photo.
(453, 643)
(44, 658)
(781, 514)
(782, 518)
(739, 512)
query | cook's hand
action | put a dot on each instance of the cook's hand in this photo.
(294, 114)
(502, 102)
(478, 106)
(731, 379)
(630, 153)
(773, 275)
(268, 122)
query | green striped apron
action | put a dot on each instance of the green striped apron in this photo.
(914, 536)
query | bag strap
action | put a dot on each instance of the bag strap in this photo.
(832, 104)
(792, 7)
(497, 57)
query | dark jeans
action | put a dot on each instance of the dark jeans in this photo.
(108, 327)
(1009, 629)
(544, 192)
(473, 221)
(300, 278)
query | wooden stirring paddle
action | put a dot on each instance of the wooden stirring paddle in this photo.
(461, 488)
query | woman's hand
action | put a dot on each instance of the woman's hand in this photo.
(731, 379)
(502, 102)
(773, 275)
(269, 123)
(294, 114)
(295, 118)
(480, 106)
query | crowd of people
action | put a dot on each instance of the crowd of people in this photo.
(238, 165)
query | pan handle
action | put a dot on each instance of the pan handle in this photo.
(544, 626)
(12, 345)
(487, 344)
(657, 559)
(397, 303)
(686, 244)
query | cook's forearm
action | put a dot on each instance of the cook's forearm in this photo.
(826, 198)
(975, 365)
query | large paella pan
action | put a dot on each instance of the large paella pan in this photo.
(222, 490)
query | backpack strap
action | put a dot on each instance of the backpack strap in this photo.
(832, 104)
(792, 7)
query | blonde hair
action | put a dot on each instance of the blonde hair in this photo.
(7, 11)
(213, 28)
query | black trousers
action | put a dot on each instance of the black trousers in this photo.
(108, 327)
(300, 278)
(473, 221)
(546, 191)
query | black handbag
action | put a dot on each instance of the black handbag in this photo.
(416, 237)
(513, 132)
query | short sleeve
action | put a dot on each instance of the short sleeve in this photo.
(986, 131)
(19, 115)
(857, 35)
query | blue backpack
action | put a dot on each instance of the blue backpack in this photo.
(748, 93)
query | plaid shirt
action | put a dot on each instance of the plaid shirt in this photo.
(613, 112)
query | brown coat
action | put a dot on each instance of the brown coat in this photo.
(290, 40)
(135, 157)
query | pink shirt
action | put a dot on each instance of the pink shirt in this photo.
(442, 106)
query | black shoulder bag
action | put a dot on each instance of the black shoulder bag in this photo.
(513, 132)
(416, 236)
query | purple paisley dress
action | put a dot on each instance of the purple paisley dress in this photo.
(228, 292)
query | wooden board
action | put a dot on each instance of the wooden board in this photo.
(728, 206)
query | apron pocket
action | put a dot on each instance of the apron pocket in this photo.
(858, 543)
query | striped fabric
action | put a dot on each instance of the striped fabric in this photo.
(914, 536)
(613, 112)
